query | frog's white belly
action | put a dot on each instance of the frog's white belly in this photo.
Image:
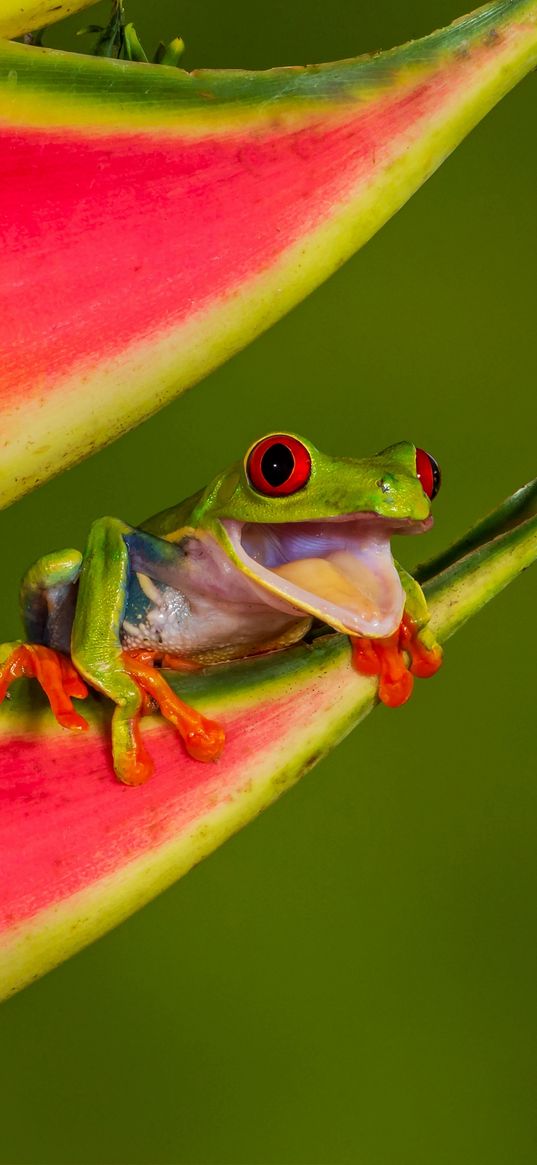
(211, 608)
(177, 627)
(161, 622)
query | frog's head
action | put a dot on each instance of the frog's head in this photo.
(315, 530)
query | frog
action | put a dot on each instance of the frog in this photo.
(285, 542)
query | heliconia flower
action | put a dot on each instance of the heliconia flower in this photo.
(79, 851)
(155, 221)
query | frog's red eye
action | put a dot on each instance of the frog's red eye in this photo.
(278, 465)
(428, 471)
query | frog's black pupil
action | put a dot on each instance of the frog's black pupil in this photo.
(277, 464)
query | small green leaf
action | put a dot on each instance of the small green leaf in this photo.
(170, 54)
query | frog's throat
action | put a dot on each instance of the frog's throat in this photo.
(340, 570)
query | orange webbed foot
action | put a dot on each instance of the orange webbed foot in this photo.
(203, 739)
(396, 660)
(384, 658)
(57, 676)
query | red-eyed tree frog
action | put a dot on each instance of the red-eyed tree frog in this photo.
(284, 537)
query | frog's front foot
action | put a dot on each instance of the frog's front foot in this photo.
(396, 660)
(203, 739)
(54, 672)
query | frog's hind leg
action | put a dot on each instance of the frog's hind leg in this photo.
(204, 739)
(47, 601)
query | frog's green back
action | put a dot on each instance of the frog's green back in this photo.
(170, 521)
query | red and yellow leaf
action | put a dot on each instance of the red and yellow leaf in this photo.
(156, 221)
(79, 851)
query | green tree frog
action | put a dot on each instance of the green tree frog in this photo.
(285, 537)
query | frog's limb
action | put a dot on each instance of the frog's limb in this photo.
(415, 601)
(174, 663)
(410, 651)
(53, 671)
(47, 601)
(204, 739)
(97, 652)
(384, 658)
(96, 647)
(48, 598)
(415, 636)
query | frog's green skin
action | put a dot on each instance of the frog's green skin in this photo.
(183, 585)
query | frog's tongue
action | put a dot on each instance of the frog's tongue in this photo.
(341, 571)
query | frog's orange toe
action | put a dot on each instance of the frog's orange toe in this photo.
(364, 657)
(73, 684)
(394, 692)
(206, 742)
(424, 660)
(71, 720)
(396, 683)
(384, 658)
(134, 768)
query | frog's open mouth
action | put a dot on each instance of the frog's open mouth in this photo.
(340, 569)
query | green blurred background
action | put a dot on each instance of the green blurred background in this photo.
(352, 978)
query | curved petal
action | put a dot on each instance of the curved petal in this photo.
(79, 851)
(17, 17)
(156, 221)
